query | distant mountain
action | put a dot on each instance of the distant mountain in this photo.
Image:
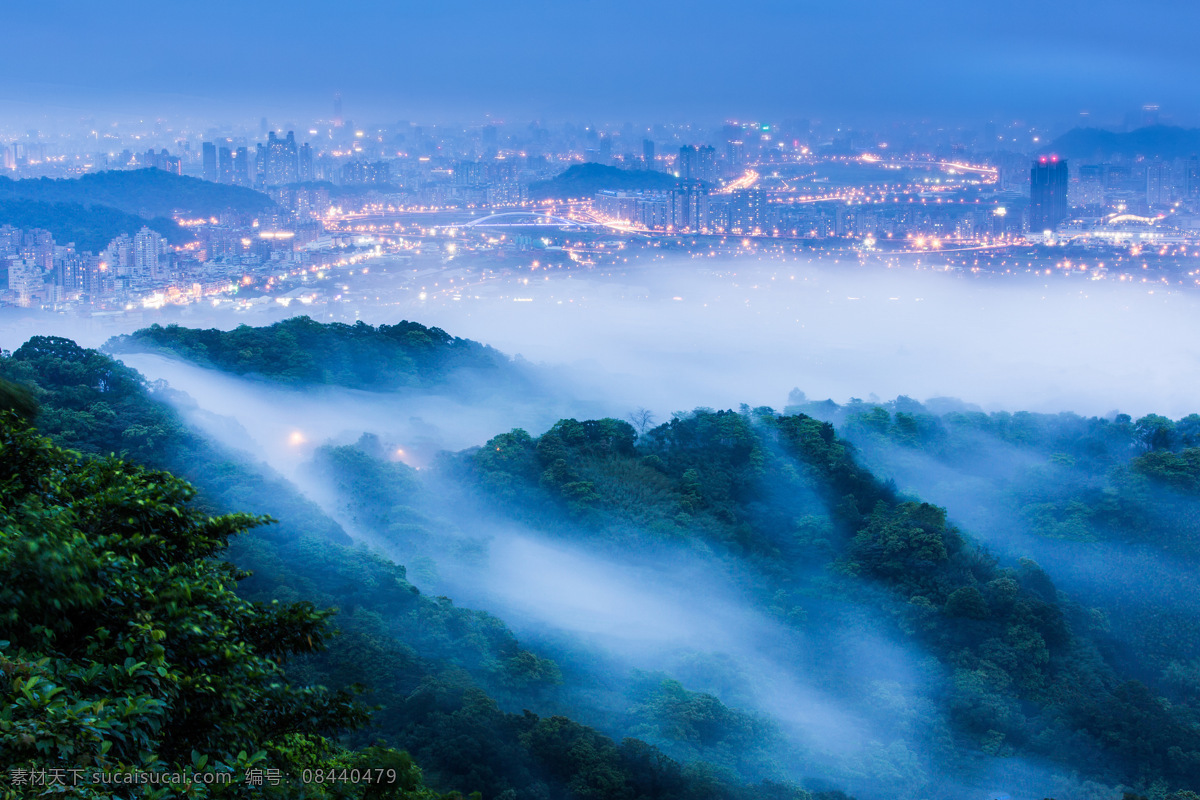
(91, 228)
(146, 192)
(584, 180)
(1157, 141)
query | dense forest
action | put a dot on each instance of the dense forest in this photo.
(951, 645)
(145, 192)
(302, 352)
(1100, 499)
(124, 647)
(440, 676)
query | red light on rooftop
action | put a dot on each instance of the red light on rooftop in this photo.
(1043, 159)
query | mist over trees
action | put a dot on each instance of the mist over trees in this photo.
(859, 636)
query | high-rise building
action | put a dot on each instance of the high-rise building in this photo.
(69, 269)
(118, 256)
(37, 247)
(648, 152)
(735, 155)
(306, 163)
(746, 210)
(1090, 189)
(210, 161)
(225, 164)
(282, 165)
(241, 166)
(260, 165)
(689, 209)
(24, 280)
(706, 164)
(1048, 182)
(688, 165)
(148, 247)
(1158, 183)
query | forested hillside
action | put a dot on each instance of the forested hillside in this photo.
(948, 658)
(1024, 672)
(1106, 501)
(89, 228)
(124, 647)
(145, 192)
(301, 352)
(1025, 668)
(442, 676)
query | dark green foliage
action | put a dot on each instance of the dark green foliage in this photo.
(967, 602)
(1022, 671)
(302, 352)
(698, 726)
(90, 228)
(145, 192)
(423, 661)
(584, 180)
(124, 646)
(17, 399)
(1179, 471)
(91, 402)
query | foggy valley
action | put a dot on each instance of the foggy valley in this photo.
(491, 402)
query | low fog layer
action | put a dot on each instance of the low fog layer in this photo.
(694, 332)
(281, 426)
(650, 613)
(1105, 574)
(701, 332)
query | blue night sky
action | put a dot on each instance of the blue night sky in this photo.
(613, 61)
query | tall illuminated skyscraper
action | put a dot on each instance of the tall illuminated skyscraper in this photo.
(282, 165)
(1048, 182)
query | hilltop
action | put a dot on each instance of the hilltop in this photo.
(1157, 141)
(302, 352)
(584, 180)
(145, 192)
(90, 228)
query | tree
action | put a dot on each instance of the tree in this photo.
(642, 419)
(123, 645)
(1154, 432)
(18, 399)
(967, 602)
